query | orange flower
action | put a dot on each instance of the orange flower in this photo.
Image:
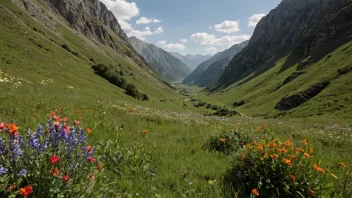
(255, 192)
(310, 193)
(261, 147)
(243, 157)
(261, 158)
(342, 165)
(266, 155)
(88, 130)
(273, 144)
(223, 140)
(145, 131)
(299, 150)
(10, 187)
(310, 150)
(318, 168)
(282, 150)
(288, 143)
(293, 177)
(12, 128)
(287, 161)
(292, 157)
(306, 155)
(305, 142)
(266, 126)
(274, 157)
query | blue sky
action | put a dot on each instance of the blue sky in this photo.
(190, 26)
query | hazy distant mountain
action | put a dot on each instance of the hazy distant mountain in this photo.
(166, 65)
(191, 60)
(220, 56)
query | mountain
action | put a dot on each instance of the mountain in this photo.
(297, 63)
(196, 74)
(166, 65)
(191, 60)
(77, 45)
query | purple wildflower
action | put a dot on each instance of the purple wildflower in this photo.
(22, 173)
(3, 170)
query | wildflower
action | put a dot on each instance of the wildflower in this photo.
(3, 170)
(293, 177)
(273, 144)
(261, 147)
(223, 140)
(26, 191)
(12, 128)
(75, 123)
(99, 167)
(306, 155)
(299, 150)
(261, 158)
(305, 142)
(266, 155)
(287, 161)
(342, 165)
(292, 157)
(91, 159)
(22, 173)
(243, 157)
(88, 130)
(282, 150)
(56, 172)
(54, 159)
(318, 168)
(332, 175)
(2, 126)
(10, 187)
(310, 192)
(274, 157)
(91, 176)
(65, 178)
(266, 126)
(310, 150)
(255, 192)
(145, 131)
(288, 143)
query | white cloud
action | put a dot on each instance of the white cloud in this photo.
(211, 49)
(210, 39)
(210, 27)
(159, 30)
(254, 19)
(184, 40)
(145, 20)
(122, 9)
(139, 34)
(124, 25)
(147, 28)
(228, 26)
(168, 46)
(161, 43)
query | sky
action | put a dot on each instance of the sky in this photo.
(190, 26)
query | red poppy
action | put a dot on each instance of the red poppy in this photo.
(91, 159)
(54, 159)
(2, 126)
(91, 176)
(99, 167)
(65, 178)
(56, 171)
(26, 191)
(88, 148)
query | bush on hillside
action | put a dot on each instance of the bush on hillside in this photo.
(227, 142)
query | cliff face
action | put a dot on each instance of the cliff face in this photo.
(91, 18)
(299, 26)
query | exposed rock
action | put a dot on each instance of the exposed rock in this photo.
(304, 64)
(293, 76)
(299, 98)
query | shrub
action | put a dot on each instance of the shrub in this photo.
(54, 161)
(240, 103)
(272, 168)
(225, 112)
(131, 90)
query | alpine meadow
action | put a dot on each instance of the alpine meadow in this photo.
(160, 99)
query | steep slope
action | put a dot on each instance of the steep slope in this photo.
(196, 74)
(191, 60)
(297, 26)
(297, 64)
(50, 59)
(166, 65)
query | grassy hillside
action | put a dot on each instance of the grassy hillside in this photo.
(262, 93)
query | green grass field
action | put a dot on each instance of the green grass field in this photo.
(38, 76)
